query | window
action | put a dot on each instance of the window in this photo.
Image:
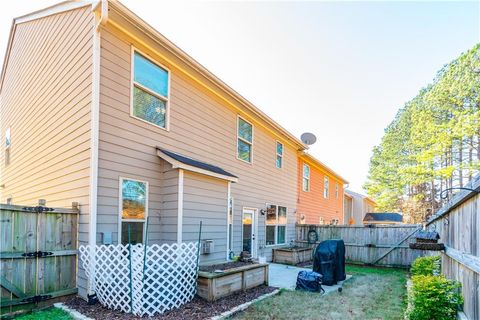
(276, 225)
(149, 91)
(336, 190)
(306, 177)
(279, 161)
(133, 210)
(244, 140)
(8, 142)
(325, 187)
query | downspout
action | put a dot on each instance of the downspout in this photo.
(101, 17)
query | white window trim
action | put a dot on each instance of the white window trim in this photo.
(159, 96)
(308, 178)
(9, 133)
(326, 191)
(7, 148)
(278, 154)
(246, 141)
(120, 220)
(276, 227)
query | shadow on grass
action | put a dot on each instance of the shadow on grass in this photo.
(372, 293)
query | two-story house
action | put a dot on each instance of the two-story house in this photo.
(99, 108)
(356, 206)
(320, 192)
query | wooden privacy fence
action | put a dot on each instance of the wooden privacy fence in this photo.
(38, 255)
(458, 224)
(376, 245)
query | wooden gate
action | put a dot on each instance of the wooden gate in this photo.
(38, 254)
(382, 245)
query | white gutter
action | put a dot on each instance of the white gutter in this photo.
(100, 19)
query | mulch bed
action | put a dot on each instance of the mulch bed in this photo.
(194, 310)
(225, 266)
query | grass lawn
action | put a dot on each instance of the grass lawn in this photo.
(372, 293)
(47, 314)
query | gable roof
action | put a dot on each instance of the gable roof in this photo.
(149, 32)
(183, 162)
(383, 217)
(322, 166)
(359, 195)
(42, 13)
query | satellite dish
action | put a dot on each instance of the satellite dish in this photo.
(308, 138)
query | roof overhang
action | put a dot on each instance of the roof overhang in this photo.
(120, 16)
(322, 166)
(176, 164)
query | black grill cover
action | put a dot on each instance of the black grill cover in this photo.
(329, 261)
(309, 281)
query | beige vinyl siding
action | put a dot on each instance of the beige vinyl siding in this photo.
(45, 100)
(169, 214)
(200, 127)
(205, 199)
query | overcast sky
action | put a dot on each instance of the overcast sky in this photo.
(338, 69)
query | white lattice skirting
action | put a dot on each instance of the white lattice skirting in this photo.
(162, 278)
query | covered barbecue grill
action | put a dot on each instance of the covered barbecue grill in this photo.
(329, 261)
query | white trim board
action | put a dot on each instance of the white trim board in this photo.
(180, 207)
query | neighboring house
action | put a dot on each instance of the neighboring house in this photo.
(382, 218)
(101, 109)
(356, 207)
(320, 192)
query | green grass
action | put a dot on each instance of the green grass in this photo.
(372, 293)
(47, 314)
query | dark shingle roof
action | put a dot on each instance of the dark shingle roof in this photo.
(196, 163)
(383, 216)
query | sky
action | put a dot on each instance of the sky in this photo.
(340, 70)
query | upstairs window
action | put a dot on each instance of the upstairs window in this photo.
(306, 177)
(279, 161)
(133, 210)
(275, 225)
(326, 187)
(244, 140)
(150, 91)
(8, 143)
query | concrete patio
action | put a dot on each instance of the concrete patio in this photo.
(285, 277)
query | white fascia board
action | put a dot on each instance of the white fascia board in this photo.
(180, 165)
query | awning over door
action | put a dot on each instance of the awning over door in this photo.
(182, 162)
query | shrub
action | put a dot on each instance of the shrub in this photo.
(426, 266)
(434, 298)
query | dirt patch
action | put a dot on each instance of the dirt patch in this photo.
(225, 266)
(194, 310)
(306, 264)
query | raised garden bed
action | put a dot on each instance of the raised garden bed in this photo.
(217, 281)
(292, 255)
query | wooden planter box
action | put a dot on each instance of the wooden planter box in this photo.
(212, 285)
(292, 256)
